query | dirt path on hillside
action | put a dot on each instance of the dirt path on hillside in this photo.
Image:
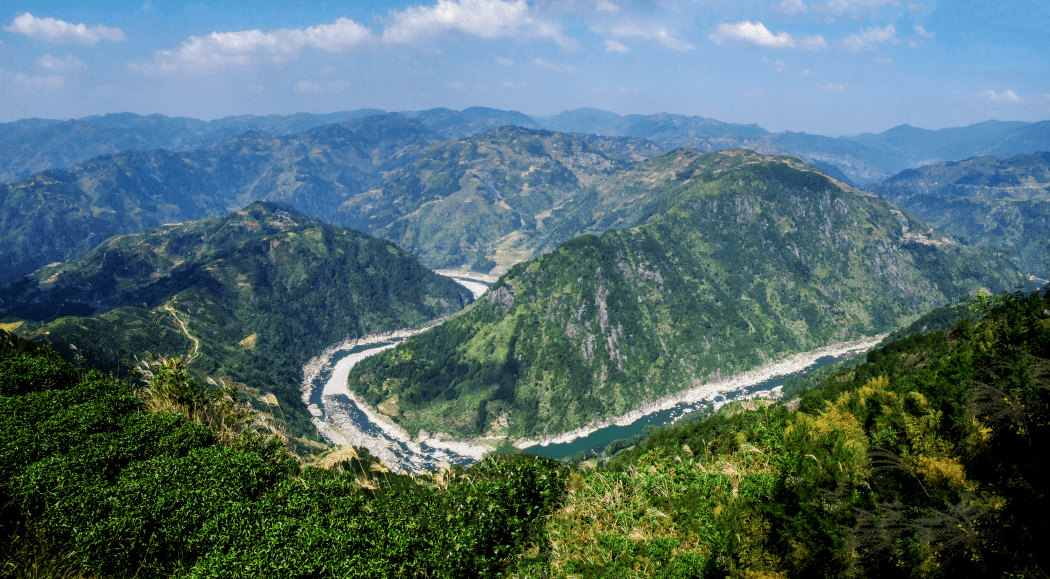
(196, 342)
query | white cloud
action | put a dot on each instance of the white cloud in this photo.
(455, 85)
(62, 32)
(67, 64)
(481, 18)
(606, 6)
(831, 87)
(207, 54)
(613, 46)
(881, 60)
(776, 64)
(748, 34)
(807, 72)
(916, 44)
(504, 61)
(555, 67)
(53, 81)
(307, 86)
(658, 34)
(869, 39)
(147, 6)
(1007, 96)
(923, 33)
(916, 6)
(843, 7)
(515, 85)
(789, 7)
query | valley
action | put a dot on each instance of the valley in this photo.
(480, 343)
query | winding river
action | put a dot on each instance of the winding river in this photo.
(344, 418)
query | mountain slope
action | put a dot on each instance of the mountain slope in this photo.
(251, 295)
(363, 174)
(484, 201)
(58, 215)
(988, 201)
(735, 259)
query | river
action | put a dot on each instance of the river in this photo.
(344, 418)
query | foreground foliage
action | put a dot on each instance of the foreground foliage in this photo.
(97, 484)
(925, 460)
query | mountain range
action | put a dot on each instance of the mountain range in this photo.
(1002, 203)
(32, 145)
(388, 175)
(718, 263)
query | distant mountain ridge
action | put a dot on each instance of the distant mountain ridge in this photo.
(32, 145)
(393, 174)
(1002, 203)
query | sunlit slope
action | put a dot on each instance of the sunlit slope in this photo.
(735, 259)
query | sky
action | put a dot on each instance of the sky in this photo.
(831, 67)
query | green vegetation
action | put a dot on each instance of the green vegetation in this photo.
(442, 200)
(923, 460)
(102, 481)
(250, 296)
(737, 259)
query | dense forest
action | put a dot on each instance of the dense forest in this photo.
(924, 459)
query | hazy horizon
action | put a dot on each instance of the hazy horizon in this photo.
(829, 67)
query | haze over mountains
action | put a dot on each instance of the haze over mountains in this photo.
(31, 145)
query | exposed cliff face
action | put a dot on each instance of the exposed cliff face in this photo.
(735, 259)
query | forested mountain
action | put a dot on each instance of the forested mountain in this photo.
(362, 174)
(864, 158)
(722, 262)
(666, 130)
(989, 201)
(922, 459)
(251, 295)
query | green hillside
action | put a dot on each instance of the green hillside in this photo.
(922, 461)
(252, 296)
(736, 260)
(451, 202)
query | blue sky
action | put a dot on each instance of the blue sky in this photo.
(821, 66)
